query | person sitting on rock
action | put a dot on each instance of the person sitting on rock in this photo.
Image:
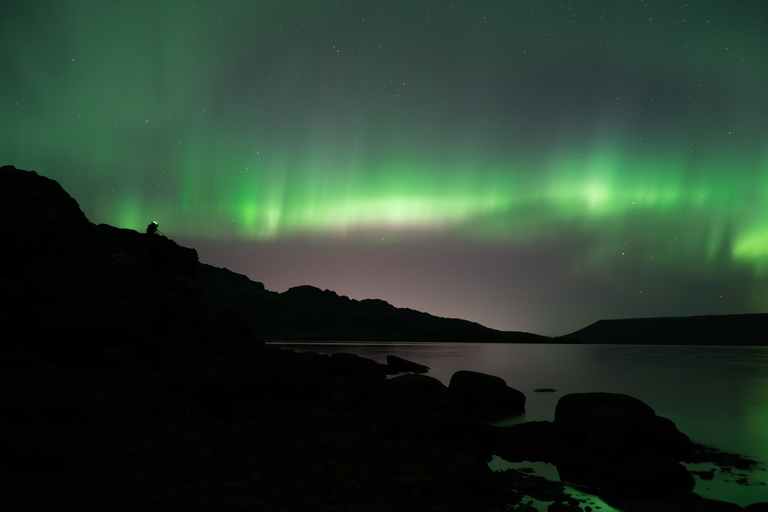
(152, 228)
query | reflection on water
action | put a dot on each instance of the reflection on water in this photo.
(716, 395)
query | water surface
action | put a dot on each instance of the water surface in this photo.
(718, 396)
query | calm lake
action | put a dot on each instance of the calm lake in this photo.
(718, 396)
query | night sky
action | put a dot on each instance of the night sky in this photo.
(529, 165)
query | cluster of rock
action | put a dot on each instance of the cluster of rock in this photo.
(128, 385)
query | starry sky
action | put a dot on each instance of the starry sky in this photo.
(529, 165)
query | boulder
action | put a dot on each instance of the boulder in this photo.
(618, 426)
(475, 437)
(415, 392)
(406, 401)
(485, 397)
(691, 501)
(646, 476)
(619, 432)
(357, 368)
(296, 378)
(573, 411)
(400, 365)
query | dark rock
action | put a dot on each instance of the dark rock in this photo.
(68, 333)
(349, 397)
(532, 440)
(573, 411)
(405, 402)
(465, 434)
(399, 365)
(620, 432)
(618, 426)
(486, 397)
(757, 507)
(294, 379)
(34, 452)
(181, 349)
(70, 278)
(644, 476)
(356, 367)
(418, 392)
(704, 475)
(224, 343)
(536, 487)
(234, 322)
(689, 502)
(215, 401)
(241, 374)
(560, 506)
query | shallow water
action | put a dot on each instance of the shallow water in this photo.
(718, 396)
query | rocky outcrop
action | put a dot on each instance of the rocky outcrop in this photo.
(573, 411)
(399, 365)
(40, 219)
(646, 476)
(402, 398)
(617, 426)
(618, 432)
(486, 397)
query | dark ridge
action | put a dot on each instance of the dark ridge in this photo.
(746, 329)
(44, 223)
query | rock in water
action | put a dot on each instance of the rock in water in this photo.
(486, 397)
(573, 411)
(617, 426)
(618, 432)
(400, 365)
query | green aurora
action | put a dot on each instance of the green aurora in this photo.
(629, 130)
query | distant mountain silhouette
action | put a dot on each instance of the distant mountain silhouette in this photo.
(128, 284)
(747, 329)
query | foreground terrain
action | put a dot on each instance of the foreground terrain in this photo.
(134, 378)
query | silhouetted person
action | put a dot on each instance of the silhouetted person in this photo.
(152, 228)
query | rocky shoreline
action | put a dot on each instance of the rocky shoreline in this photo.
(127, 385)
(276, 430)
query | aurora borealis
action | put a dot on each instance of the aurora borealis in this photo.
(531, 166)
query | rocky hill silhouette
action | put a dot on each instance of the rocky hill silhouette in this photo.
(55, 255)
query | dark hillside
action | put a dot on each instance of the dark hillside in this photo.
(694, 330)
(53, 252)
